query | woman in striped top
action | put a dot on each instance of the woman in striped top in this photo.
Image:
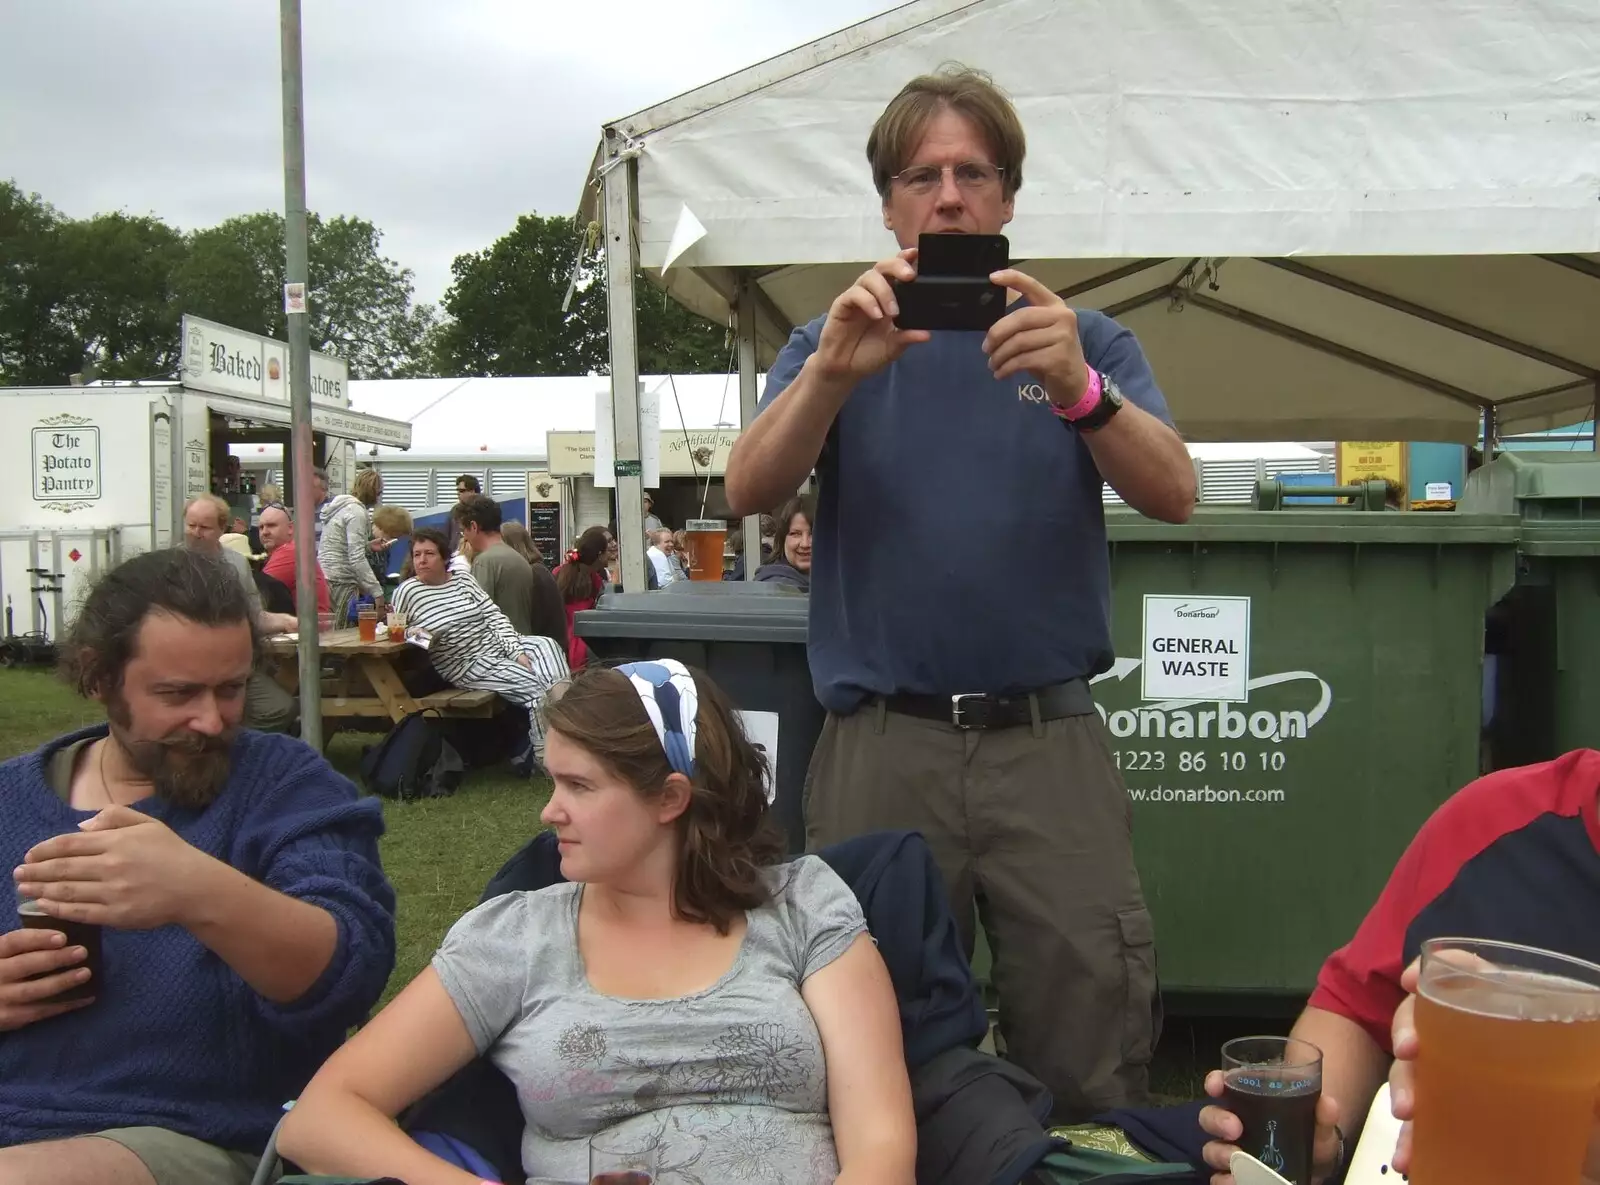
(471, 643)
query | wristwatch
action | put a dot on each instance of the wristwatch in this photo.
(1101, 400)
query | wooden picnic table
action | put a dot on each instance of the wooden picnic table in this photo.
(369, 685)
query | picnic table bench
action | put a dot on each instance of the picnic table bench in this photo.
(370, 686)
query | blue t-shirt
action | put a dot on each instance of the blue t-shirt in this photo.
(960, 541)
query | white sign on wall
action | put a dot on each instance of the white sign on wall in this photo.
(231, 362)
(762, 729)
(1196, 648)
(605, 448)
(161, 474)
(66, 460)
(605, 439)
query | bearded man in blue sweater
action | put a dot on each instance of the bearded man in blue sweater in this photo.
(244, 921)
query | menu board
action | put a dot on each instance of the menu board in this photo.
(544, 524)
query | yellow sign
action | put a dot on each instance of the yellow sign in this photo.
(1360, 460)
(571, 454)
(683, 454)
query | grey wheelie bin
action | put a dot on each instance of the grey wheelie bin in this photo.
(751, 639)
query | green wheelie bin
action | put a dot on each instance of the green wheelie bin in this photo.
(1293, 693)
(1545, 634)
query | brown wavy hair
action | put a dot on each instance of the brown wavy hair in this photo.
(727, 835)
(575, 578)
(954, 87)
(515, 536)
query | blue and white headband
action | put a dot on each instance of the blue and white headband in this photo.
(668, 693)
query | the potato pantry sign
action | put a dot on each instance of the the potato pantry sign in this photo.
(66, 462)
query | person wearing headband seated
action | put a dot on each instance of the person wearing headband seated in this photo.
(686, 988)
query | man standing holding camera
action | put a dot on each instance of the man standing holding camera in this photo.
(958, 704)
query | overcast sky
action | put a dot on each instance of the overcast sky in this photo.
(439, 120)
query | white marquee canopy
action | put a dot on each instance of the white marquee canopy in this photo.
(1324, 219)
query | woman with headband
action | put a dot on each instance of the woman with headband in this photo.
(685, 989)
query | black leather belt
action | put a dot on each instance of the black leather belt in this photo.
(975, 710)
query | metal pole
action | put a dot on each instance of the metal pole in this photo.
(745, 335)
(624, 363)
(298, 272)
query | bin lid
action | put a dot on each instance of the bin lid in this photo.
(1238, 524)
(1544, 486)
(705, 611)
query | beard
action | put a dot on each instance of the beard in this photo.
(187, 769)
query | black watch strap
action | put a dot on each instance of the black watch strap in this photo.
(1110, 404)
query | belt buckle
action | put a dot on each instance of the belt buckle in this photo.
(957, 711)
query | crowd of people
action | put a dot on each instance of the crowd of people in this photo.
(216, 919)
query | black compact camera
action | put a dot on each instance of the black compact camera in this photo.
(952, 288)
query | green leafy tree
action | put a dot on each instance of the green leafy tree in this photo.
(673, 340)
(120, 273)
(506, 316)
(361, 301)
(35, 343)
(504, 306)
(91, 296)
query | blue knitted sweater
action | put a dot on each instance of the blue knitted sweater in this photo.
(176, 1039)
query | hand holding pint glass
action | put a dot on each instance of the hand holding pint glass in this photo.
(1497, 1066)
(47, 966)
(1272, 1087)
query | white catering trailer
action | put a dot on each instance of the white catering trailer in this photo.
(91, 474)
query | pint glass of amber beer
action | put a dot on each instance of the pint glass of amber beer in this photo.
(706, 538)
(1508, 1064)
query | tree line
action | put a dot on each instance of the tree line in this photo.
(102, 297)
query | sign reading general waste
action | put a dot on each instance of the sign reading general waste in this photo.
(1196, 648)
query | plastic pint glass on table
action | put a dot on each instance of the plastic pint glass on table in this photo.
(706, 538)
(1508, 1064)
(1272, 1084)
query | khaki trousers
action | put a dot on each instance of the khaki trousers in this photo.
(1031, 825)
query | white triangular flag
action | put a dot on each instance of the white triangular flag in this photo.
(686, 234)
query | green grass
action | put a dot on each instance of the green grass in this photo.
(440, 853)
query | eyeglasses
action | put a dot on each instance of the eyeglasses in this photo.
(265, 506)
(973, 176)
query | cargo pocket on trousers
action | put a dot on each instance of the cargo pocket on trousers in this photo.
(1142, 1020)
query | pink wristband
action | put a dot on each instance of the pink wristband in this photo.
(1090, 400)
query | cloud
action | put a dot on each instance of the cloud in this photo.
(440, 122)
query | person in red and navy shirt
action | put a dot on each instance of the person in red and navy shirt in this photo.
(1515, 857)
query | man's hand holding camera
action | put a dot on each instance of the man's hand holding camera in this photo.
(860, 338)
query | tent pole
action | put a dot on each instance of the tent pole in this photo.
(745, 333)
(620, 266)
(1491, 429)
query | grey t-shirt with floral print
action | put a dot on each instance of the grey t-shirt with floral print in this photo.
(729, 1083)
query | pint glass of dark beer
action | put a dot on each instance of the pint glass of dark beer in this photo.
(31, 916)
(1272, 1084)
